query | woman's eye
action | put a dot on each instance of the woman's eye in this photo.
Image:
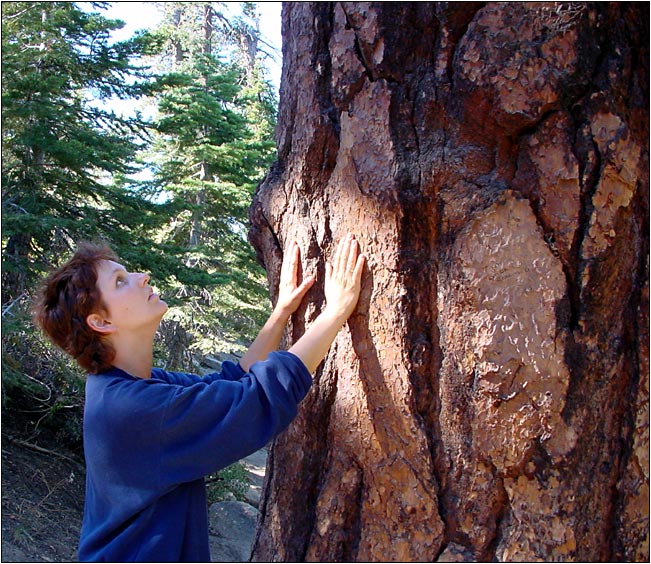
(120, 281)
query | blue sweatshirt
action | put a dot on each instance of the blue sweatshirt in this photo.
(149, 443)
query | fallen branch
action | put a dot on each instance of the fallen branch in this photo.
(42, 450)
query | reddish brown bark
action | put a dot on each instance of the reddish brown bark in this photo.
(489, 398)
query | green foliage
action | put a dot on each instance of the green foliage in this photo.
(231, 480)
(213, 144)
(57, 147)
(69, 172)
(41, 386)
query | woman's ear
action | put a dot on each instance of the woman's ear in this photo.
(98, 323)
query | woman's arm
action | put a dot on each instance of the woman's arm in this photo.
(342, 288)
(290, 295)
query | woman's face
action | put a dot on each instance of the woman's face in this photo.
(130, 301)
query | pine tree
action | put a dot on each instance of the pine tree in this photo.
(63, 156)
(214, 143)
(59, 150)
(68, 161)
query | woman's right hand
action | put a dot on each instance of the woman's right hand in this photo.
(343, 279)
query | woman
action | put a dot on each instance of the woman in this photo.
(150, 436)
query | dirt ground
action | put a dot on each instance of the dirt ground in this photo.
(42, 501)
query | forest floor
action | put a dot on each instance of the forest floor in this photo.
(42, 500)
(43, 488)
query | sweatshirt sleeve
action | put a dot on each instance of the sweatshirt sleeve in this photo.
(229, 371)
(212, 424)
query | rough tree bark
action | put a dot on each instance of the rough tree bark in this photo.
(489, 398)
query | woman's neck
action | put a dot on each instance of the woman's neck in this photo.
(134, 356)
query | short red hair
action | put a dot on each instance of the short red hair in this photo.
(67, 297)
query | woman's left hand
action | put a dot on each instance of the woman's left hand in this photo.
(290, 292)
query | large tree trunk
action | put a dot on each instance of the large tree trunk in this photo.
(489, 397)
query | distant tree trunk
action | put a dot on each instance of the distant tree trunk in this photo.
(489, 398)
(176, 44)
(205, 173)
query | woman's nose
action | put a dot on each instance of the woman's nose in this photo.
(144, 278)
